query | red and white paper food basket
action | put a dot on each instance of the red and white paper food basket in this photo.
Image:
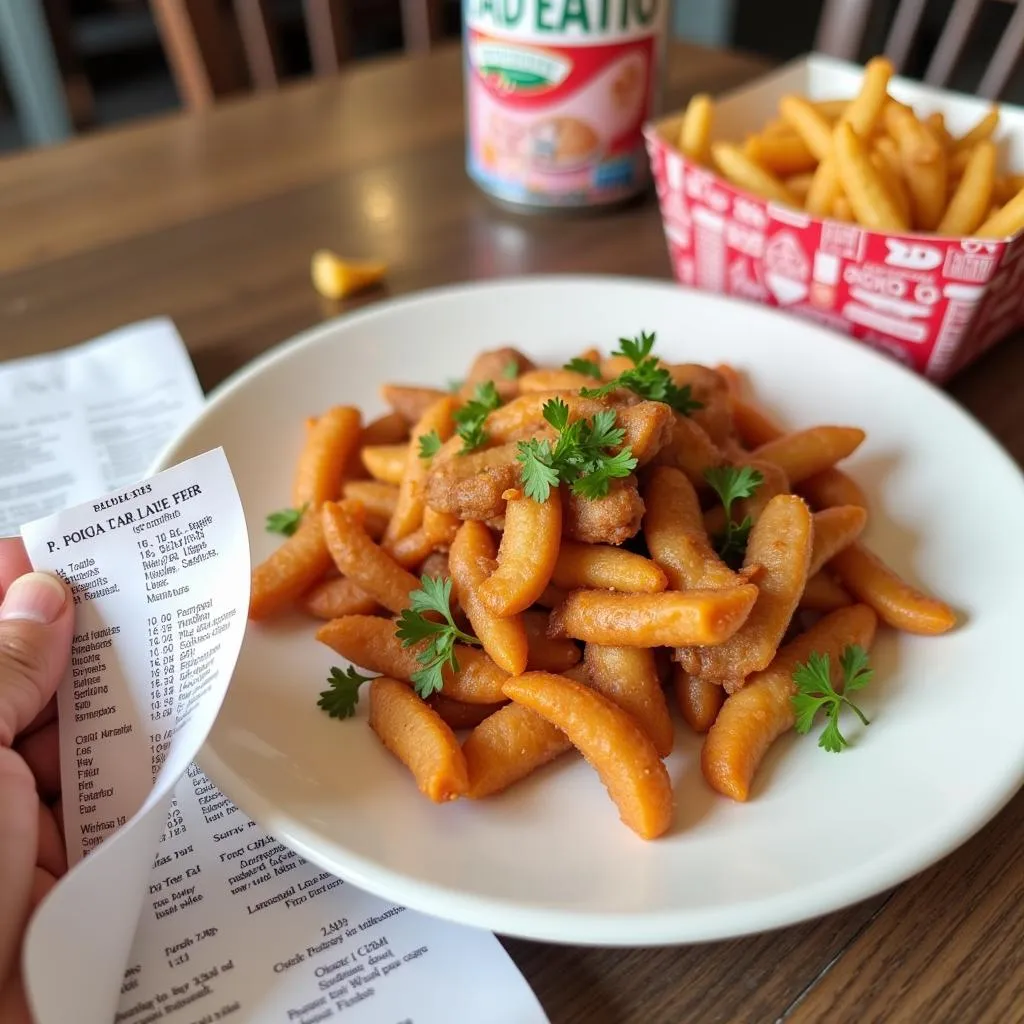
(933, 303)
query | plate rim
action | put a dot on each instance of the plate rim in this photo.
(597, 928)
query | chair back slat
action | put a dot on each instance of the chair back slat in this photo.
(844, 23)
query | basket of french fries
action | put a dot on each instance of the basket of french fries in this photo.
(886, 209)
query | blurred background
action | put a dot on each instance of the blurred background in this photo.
(74, 66)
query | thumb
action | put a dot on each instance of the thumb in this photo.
(36, 626)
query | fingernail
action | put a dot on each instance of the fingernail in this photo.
(36, 596)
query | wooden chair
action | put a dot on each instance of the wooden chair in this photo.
(844, 23)
(215, 47)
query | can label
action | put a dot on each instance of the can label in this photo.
(557, 93)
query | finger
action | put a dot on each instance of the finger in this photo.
(41, 752)
(13, 1003)
(19, 831)
(52, 857)
(36, 624)
(47, 715)
(13, 562)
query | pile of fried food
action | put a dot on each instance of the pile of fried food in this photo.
(869, 159)
(535, 554)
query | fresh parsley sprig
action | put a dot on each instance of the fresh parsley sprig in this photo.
(584, 366)
(342, 694)
(815, 692)
(434, 595)
(470, 418)
(646, 378)
(430, 445)
(731, 483)
(510, 371)
(286, 520)
(579, 457)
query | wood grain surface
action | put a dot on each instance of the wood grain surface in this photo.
(212, 219)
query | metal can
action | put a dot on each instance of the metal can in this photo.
(557, 93)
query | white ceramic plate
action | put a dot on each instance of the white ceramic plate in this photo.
(550, 859)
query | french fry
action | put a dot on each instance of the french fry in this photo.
(601, 566)
(869, 198)
(337, 278)
(781, 155)
(780, 545)
(821, 196)
(823, 594)
(863, 112)
(613, 519)
(804, 453)
(897, 603)
(799, 185)
(676, 539)
(439, 527)
(547, 654)
(391, 428)
(738, 168)
(370, 642)
(936, 123)
(832, 487)
(668, 619)
(408, 514)
(1006, 221)
(385, 462)
(554, 380)
(610, 740)
(471, 560)
(410, 402)
(710, 388)
(419, 738)
(412, 549)
(330, 444)
(983, 130)
(842, 210)
(495, 365)
(751, 719)
(628, 677)
(507, 746)
(695, 131)
(754, 426)
(376, 497)
(337, 597)
(435, 564)
(892, 178)
(831, 110)
(699, 699)
(809, 123)
(525, 414)
(647, 427)
(924, 162)
(457, 715)
(295, 567)
(834, 529)
(362, 561)
(526, 555)
(969, 205)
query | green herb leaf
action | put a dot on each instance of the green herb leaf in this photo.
(731, 483)
(434, 595)
(286, 520)
(646, 378)
(430, 445)
(454, 384)
(585, 366)
(470, 418)
(815, 692)
(579, 457)
(342, 695)
(510, 370)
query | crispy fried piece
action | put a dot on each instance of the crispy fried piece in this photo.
(780, 544)
(435, 564)
(773, 482)
(471, 486)
(603, 566)
(508, 746)
(710, 388)
(370, 642)
(699, 699)
(461, 716)
(611, 741)
(410, 402)
(418, 737)
(805, 453)
(376, 497)
(823, 594)
(834, 529)
(612, 519)
(690, 450)
(296, 566)
(330, 443)
(337, 597)
(648, 428)
(669, 619)
(628, 676)
(675, 534)
(754, 717)
(495, 366)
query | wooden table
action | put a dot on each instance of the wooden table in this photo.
(213, 219)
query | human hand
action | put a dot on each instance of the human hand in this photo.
(36, 626)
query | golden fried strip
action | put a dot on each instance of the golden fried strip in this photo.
(611, 741)
(410, 402)
(834, 529)
(296, 566)
(603, 566)
(699, 700)
(805, 453)
(330, 444)
(339, 596)
(612, 519)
